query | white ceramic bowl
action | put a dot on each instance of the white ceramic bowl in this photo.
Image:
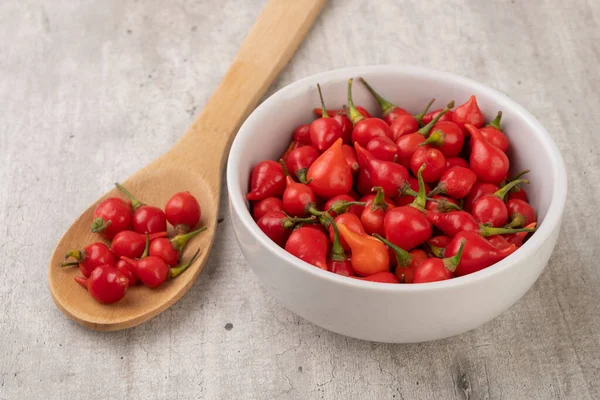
(384, 312)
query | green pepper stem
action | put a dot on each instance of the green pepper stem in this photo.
(98, 225)
(436, 138)
(436, 251)
(176, 271)
(285, 170)
(419, 117)
(69, 264)
(134, 202)
(517, 221)
(147, 248)
(496, 122)
(179, 241)
(290, 222)
(379, 200)
(386, 106)
(486, 231)
(421, 198)
(503, 191)
(337, 251)
(324, 110)
(402, 256)
(520, 174)
(354, 115)
(301, 175)
(425, 130)
(342, 206)
(79, 255)
(452, 262)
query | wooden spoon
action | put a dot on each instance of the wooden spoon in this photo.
(195, 163)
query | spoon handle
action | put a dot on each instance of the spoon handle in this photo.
(270, 44)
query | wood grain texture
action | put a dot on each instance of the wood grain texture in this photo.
(90, 91)
(194, 164)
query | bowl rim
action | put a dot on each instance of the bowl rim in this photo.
(545, 229)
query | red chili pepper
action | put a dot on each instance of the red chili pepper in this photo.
(518, 193)
(153, 271)
(409, 143)
(266, 180)
(145, 219)
(389, 110)
(405, 124)
(447, 137)
(351, 159)
(278, 226)
(390, 176)
(106, 284)
(291, 147)
(491, 209)
(404, 262)
(365, 128)
(123, 267)
(407, 226)
(330, 174)
(454, 222)
(128, 266)
(374, 213)
(493, 134)
(383, 148)
(310, 245)
(352, 222)
(90, 257)
(434, 161)
(456, 162)
(468, 113)
(521, 213)
(489, 163)
(479, 189)
(265, 206)
(437, 245)
(381, 277)
(111, 216)
(369, 255)
(456, 182)
(131, 244)
(363, 182)
(169, 250)
(338, 262)
(429, 116)
(478, 253)
(300, 160)
(302, 135)
(324, 131)
(436, 269)
(297, 198)
(499, 242)
(183, 212)
(342, 204)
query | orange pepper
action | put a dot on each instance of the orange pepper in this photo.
(369, 255)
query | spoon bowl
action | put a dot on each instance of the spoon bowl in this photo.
(140, 303)
(194, 164)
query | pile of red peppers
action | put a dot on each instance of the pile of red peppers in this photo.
(140, 250)
(394, 198)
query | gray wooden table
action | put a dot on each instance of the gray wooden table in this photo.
(92, 90)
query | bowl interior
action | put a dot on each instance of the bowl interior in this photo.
(268, 130)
